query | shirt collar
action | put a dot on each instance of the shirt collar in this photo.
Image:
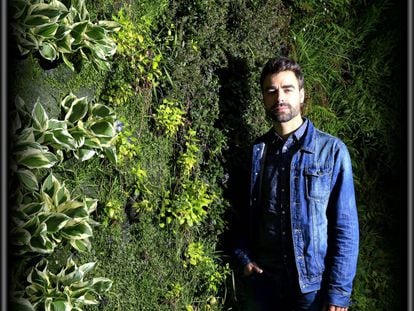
(296, 135)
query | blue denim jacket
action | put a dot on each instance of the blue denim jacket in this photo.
(323, 214)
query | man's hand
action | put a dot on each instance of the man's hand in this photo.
(335, 308)
(251, 268)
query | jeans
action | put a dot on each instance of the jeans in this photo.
(279, 292)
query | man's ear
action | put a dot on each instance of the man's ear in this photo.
(302, 96)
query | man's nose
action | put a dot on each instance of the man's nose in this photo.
(280, 98)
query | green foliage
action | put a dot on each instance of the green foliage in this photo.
(85, 129)
(139, 51)
(169, 117)
(214, 274)
(57, 31)
(189, 205)
(66, 290)
(46, 218)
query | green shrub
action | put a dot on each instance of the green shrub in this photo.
(57, 31)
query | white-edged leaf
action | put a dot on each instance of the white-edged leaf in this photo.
(101, 285)
(81, 245)
(36, 20)
(46, 31)
(45, 9)
(84, 154)
(55, 222)
(90, 204)
(62, 139)
(28, 179)
(57, 124)
(36, 159)
(77, 110)
(40, 118)
(48, 51)
(102, 111)
(103, 129)
(110, 25)
(110, 153)
(79, 231)
(68, 62)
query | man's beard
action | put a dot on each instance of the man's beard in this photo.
(283, 116)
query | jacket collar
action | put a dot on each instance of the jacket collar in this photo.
(308, 142)
(309, 138)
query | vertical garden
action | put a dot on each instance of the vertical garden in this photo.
(130, 123)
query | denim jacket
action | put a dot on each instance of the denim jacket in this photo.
(323, 214)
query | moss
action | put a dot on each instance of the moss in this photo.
(32, 82)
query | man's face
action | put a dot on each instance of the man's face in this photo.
(282, 97)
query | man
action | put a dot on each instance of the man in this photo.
(301, 246)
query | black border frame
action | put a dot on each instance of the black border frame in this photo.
(407, 55)
(409, 137)
(3, 152)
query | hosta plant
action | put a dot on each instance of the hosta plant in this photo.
(66, 290)
(85, 129)
(44, 219)
(57, 30)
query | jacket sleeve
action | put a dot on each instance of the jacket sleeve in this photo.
(343, 231)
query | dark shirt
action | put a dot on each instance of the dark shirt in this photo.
(274, 246)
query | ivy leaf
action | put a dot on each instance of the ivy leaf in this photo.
(63, 32)
(48, 51)
(57, 124)
(64, 45)
(109, 25)
(78, 30)
(45, 9)
(68, 63)
(55, 222)
(28, 179)
(81, 245)
(102, 129)
(84, 154)
(110, 153)
(101, 284)
(77, 231)
(101, 111)
(95, 33)
(46, 31)
(60, 305)
(62, 138)
(36, 20)
(40, 118)
(77, 110)
(38, 159)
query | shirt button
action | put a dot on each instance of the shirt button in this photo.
(283, 212)
(284, 256)
(283, 190)
(283, 168)
(283, 232)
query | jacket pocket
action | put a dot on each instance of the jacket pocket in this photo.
(318, 182)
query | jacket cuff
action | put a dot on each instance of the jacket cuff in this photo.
(242, 257)
(339, 299)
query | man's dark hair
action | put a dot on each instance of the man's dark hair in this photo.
(276, 65)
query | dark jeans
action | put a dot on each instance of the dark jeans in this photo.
(279, 292)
